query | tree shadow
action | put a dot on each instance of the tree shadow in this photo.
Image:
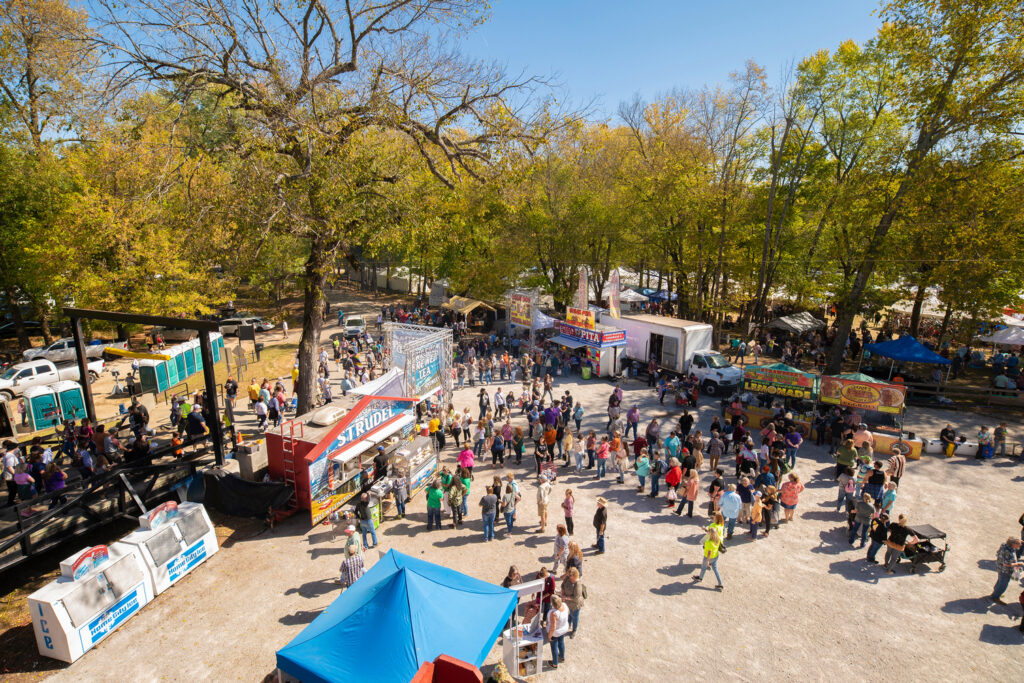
(1000, 635)
(314, 589)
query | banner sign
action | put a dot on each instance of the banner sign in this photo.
(326, 493)
(614, 291)
(884, 398)
(581, 290)
(581, 317)
(778, 382)
(593, 337)
(521, 310)
(423, 368)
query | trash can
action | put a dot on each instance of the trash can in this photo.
(259, 349)
(586, 372)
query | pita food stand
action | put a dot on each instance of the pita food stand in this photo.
(596, 344)
(880, 406)
(780, 383)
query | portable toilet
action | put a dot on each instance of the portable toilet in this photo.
(171, 365)
(72, 402)
(147, 375)
(42, 407)
(189, 352)
(198, 351)
(179, 362)
(216, 346)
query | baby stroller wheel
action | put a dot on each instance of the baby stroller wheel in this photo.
(942, 567)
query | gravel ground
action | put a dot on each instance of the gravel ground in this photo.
(801, 603)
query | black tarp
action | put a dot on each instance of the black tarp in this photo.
(233, 495)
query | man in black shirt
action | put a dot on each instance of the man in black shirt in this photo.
(231, 390)
(365, 517)
(948, 438)
(685, 424)
(879, 535)
(899, 534)
(380, 464)
(600, 524)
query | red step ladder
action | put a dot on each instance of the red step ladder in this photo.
(288, 431)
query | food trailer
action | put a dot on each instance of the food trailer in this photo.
(598, 346)
(417, 462)
(327, 454)
(779, 385)
(880, 406)
(99, 588)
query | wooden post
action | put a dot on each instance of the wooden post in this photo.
(83, 368)
(211, 396)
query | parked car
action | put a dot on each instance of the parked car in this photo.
(230, 325)
(354, 326)
(263, 325)
(63, 350)
(17, 378)
(175, 334)
(9, 331)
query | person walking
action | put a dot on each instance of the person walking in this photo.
(434, 496)
(793, 441)
(573, 595)
(712, 543)
(643, 470)
(865, 511)
(561, 547)
(456, 494)
(543, 496)
(568, 505)
(879, 534)
(489, 510)
(1007, 560)
(365, 517)
(352, 568)
(557, 627)
(897, 541)
(601, 523)
(508, 507)
(730, 504)
(789, 493)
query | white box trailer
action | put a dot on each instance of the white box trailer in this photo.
(680, 346)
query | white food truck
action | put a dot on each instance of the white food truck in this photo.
(680, 346)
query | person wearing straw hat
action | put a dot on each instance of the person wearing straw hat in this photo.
(600, 523)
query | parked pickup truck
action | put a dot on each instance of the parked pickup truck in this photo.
(17, 378)
(63, 350)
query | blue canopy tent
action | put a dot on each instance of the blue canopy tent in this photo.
(908, 350)
(401, 613)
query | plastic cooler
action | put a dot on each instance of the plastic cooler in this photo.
(98, 590)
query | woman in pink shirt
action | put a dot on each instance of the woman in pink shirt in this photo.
(790, 495)
(465, 459)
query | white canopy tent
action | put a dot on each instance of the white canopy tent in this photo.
(798, 323)
(1008, 336)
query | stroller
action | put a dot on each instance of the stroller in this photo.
(931, 546)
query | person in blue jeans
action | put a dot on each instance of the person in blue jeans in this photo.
(434, 496)
(879, 533)
(1007, 559)
(600, 523)
(862, 519)
(489, 509)
(365, 516)
(557, 627)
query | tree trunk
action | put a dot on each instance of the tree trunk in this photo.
(19, 322)
(312, 323)
(945, 324)
(915, 313)
(44, 322)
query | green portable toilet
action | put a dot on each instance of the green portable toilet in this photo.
(189, 351)
(42, 406)
(179, 363)
(72, 402)
(147, 375)
(172, 367)
(198, 351)
(217, 346)
(162, 382)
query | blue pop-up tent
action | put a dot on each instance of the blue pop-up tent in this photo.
(908, 350)
(401, 613)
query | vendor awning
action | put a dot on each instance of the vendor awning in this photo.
(567, 342)
(1008, 336)
(390, 383)
(465, 306)
(376, 438)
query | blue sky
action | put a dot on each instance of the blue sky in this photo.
(611, 50)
